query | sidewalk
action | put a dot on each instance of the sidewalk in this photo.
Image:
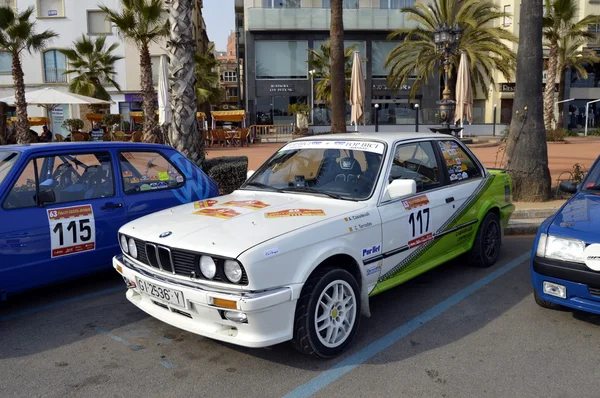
(528, 216)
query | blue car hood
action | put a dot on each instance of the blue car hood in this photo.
(579, 218)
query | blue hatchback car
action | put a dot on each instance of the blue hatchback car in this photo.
(565, 262)
(62, 204)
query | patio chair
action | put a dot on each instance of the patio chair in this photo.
(77, 137)
(60, 138)
(220, 136)
(137, 136)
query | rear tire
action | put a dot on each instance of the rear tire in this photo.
(544, 303)
(486, 247)
(327, 313)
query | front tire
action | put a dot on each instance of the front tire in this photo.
(544, 303)
(486, 248)
(327, 314)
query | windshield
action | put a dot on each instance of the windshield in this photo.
(592, 180)
(7, 161)
(339, 169)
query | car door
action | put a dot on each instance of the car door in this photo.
(466, 182)
(153, 180)
(409, 224)
(63, 214)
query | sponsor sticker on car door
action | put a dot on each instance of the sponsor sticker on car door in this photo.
(72, 230)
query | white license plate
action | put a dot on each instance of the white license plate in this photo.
(174, 297)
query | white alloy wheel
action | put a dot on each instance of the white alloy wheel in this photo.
(335, 314)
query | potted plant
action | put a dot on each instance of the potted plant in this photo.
(111, 122)
(74, 125)
(301, 111)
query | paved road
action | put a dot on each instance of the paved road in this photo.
(453, 332)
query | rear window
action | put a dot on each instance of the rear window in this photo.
(7, 161)
(148, 171)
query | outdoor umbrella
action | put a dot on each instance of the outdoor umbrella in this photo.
(50, 98)
(357, 90)
(164, 103)
(464, 92)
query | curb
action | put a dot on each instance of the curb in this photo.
(523, 214)
(522, 229)
(484, 145)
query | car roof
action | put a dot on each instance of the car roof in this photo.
(389, 138)
(78, 145)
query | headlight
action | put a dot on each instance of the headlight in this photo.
(124, 244)
(564, 249)
(208, 267)
(233, 271)
(132, 248)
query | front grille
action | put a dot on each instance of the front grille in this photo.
(595, 290)
(179, 262)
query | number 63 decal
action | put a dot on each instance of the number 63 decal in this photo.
(419, 222)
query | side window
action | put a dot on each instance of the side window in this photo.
(76, 177)
(459, 165)
(417, 162)
(146, 171)
(23, 192)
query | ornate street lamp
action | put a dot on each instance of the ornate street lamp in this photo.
(446, 41)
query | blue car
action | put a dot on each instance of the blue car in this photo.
(62, 204)
(565, 261)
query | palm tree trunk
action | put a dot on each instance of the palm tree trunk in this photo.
(151, 133)
(527, 151)
(338, 77)
(550, 86)
(183, 132)
(22, 125)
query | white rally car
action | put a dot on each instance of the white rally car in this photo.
(321, 226)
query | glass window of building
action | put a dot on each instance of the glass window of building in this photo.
(274, 110)
(5, 62)
(281, 3)
(395, 4)
(229, 76)
(345, 4)
(55, 64)
(281, 59)
(50, 8)
(379, 53)
(98, 24)
(361, 47)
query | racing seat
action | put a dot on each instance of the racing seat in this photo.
(329, 168)
(348, 170)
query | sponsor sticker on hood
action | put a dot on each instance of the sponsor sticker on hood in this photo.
(295, 213)
(204, 203)
(247, 204)
(218, 213)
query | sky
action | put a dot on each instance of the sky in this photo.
(219, 17)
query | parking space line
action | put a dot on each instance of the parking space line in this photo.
(59, 303)
(167, 365)
(329, 376)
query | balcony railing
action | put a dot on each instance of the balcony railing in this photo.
(363, 18)
(55, 75)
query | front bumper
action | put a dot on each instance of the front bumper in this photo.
(582, 284)
(270, 314)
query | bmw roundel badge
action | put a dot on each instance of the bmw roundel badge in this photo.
(165, 234)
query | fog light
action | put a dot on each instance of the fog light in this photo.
(238, 317)
(554, 289)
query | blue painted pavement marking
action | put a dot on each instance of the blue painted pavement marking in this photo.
(59, 303)
(329, 376)
(167, 365)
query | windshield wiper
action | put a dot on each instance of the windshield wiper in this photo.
(313, 190)
(263, 186)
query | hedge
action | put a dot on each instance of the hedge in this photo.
(229, 172)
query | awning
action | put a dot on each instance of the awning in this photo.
(35, 121)
(200, 115)
(138, 117)
(229, 116)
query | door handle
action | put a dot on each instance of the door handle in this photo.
(111, 205)
(450, 199)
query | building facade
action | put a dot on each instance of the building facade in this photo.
(276, 36)
(70, 19)
(229, 80)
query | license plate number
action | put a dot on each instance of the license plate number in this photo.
(174, 297)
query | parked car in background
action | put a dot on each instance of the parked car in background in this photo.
(295, 253)
(565, 261)
(62, 204)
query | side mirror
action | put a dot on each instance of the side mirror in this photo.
(47, 196)
(568, 186)
(400, 187)
(249, 174)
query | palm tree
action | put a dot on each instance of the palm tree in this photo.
(338, 79)
(207, 78)
(560, 23)
(92, 64)
(572, 56)
(320, 61)
(142, 22)
(484, 43)
(527, 151)
(17, 34)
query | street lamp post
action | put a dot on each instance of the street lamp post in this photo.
(312, 96)
(376, 118)
(446, 40)
(417, 118)
(494, 121)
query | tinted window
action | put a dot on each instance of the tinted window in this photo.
(147, 171)
(23, 192)
(417, 162)
(459, 165)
